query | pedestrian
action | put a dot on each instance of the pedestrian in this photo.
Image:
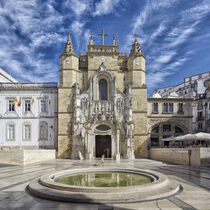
(102, 160)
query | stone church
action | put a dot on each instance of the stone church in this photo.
(102, 102)
(103, 106)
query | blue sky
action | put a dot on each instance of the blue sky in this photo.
(174, 35)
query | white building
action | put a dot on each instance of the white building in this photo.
(28, 114)
(188, 89)
(201, 109)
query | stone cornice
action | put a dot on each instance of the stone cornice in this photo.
(28, 86)
(169, 116)
(31, 117)
(136, 111)
(70, 87)
(169, 99)
(142, 87)
(65, 112)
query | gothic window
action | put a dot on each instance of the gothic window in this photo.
(103, 89)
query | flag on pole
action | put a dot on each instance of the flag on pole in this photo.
(32, 101)
(19, 102)
(15, 100)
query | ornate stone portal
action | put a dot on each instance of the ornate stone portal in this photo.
(102, 110)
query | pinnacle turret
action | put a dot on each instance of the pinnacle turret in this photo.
(136, 49)
(69, 49)
(114, 40)
(91, 39)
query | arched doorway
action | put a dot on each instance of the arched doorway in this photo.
(103, 141)
(103, 146)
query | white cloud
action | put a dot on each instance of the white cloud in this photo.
(26, 26)
(165, 58)
(78, 7)
(105, 7)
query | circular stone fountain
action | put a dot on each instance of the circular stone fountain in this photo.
(104, 185)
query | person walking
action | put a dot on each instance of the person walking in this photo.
(102, 160)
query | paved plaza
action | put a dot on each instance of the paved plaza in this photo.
(14, 181)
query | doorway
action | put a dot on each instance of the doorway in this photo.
(103, 146)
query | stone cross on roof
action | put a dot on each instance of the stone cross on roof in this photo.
(102, 35)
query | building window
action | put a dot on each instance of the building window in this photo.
(154, 141)
(180, 108)
(11, 106)
(43, 104)
(165, 107)
(200, 116)
(43, 134)
(27, 132)
(171, 107)
(27, 105)
(200, 105)
(103, 89)
(200, 126)
(166, 128)
(11, 132)
(155, 107)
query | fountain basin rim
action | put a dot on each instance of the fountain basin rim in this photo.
(158, 180)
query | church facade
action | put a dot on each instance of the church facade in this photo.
(102, 102)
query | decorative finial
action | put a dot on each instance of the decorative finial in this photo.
(69, 37)
(91, 39)
(136, 49)
(114, 40)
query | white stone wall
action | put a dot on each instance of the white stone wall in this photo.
(34, 117)
(176, 155)
(23, 157)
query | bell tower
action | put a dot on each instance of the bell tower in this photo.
(69, 63)
(136, 65)
(136, 78)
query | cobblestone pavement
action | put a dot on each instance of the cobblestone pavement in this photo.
(14, 181)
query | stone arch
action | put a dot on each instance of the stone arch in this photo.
(160, 130)
(176, 123)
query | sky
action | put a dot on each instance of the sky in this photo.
(174, 35)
